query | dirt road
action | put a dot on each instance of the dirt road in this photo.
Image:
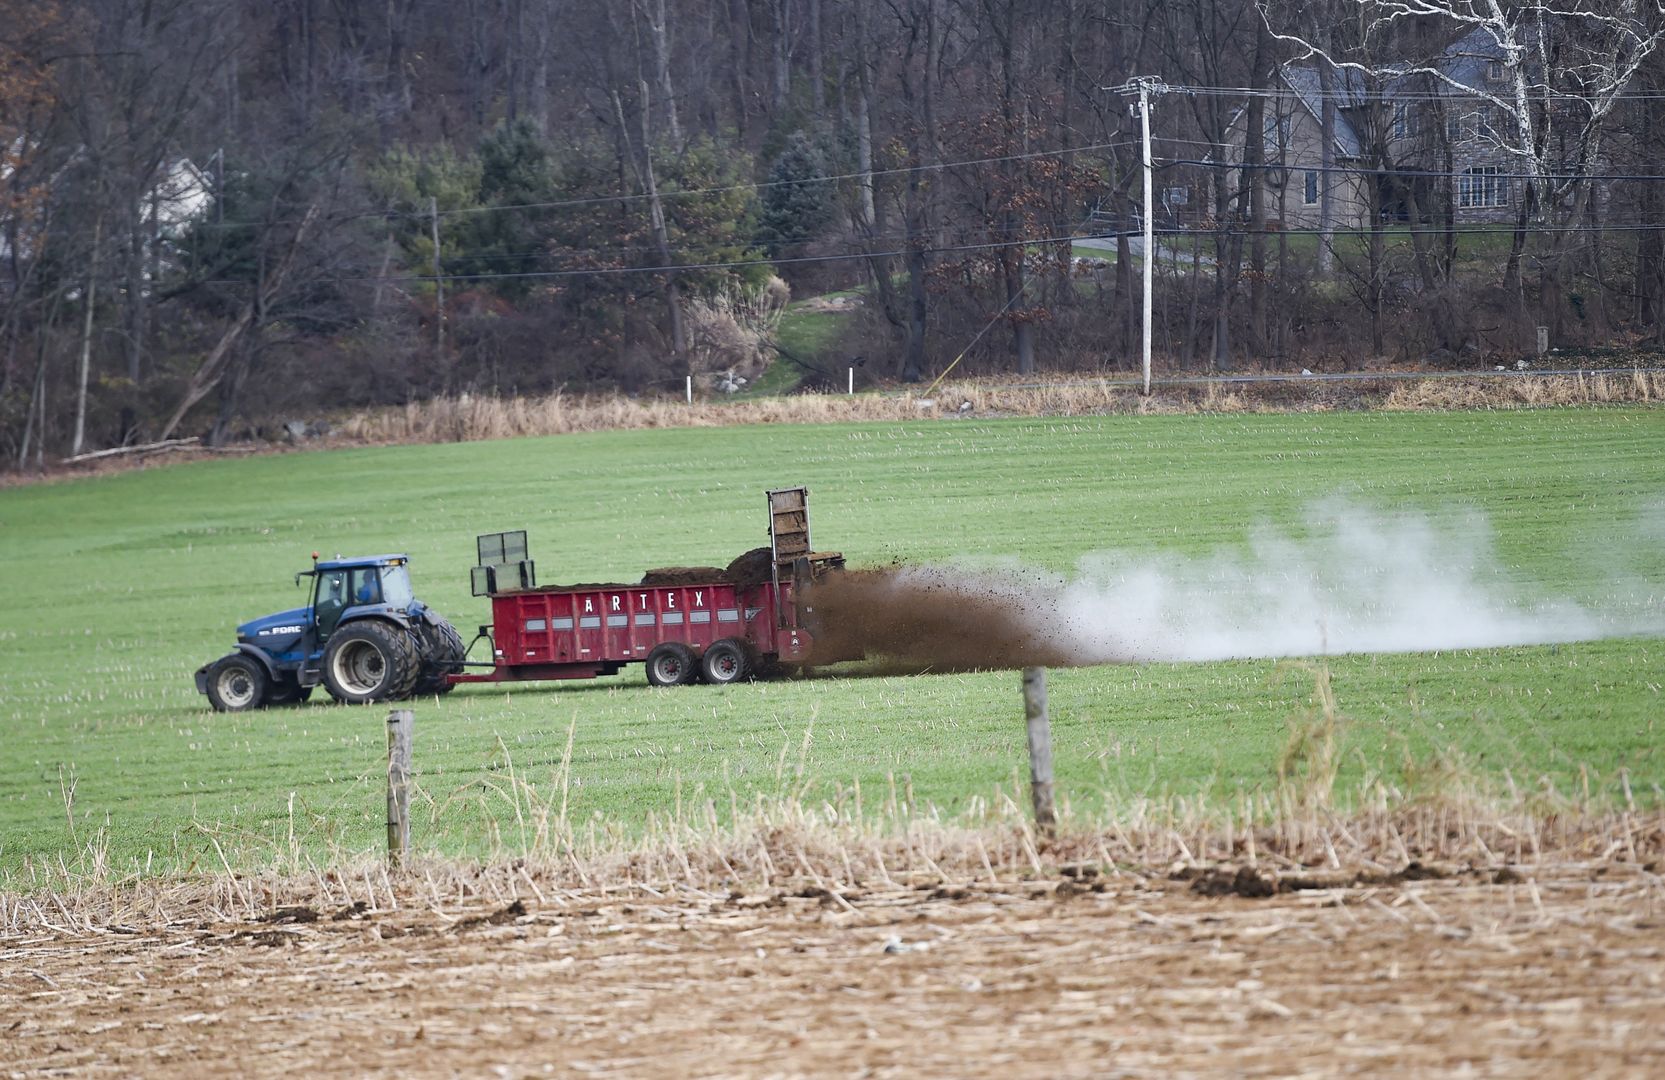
(1123, 975)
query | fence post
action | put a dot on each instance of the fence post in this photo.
(399, 724)
(1040, 747)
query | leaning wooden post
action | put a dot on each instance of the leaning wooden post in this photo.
(399, 724)
(1040, 748)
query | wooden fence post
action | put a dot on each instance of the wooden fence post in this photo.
(399, 724)
(1040, 748)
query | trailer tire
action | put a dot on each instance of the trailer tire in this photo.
(725, 662)
(442, 654)
(671, 663)
(370, 660)
(237, 683)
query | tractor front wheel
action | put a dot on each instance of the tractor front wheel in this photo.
(236, 683)
(671, 663)
(725, 662)
(370, 661)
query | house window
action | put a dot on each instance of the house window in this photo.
(1401, 121)
(1309, 194)
(1494, 71)
(1454, 129)
(1484, 185)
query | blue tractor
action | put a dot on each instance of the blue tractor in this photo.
(365, 637)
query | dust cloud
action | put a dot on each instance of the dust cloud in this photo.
(1352, 580)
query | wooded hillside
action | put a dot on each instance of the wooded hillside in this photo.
(219, 214)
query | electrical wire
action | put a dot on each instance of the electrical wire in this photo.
(723, 189)
(1371, 170)
(1387, 96)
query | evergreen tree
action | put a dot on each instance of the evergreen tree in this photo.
(797, 204)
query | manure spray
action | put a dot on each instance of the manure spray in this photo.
(1353, 581)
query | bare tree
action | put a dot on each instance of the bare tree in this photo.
(1557, 70)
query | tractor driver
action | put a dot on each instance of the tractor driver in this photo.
(369, 590)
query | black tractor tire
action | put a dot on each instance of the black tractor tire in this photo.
(237, 683)
(370, 660)
(442, 651)
(287, 690)
(725, 662)
(671, 663)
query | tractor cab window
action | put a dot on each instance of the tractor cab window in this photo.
(396, 590)
(329, 601)
(365, 588)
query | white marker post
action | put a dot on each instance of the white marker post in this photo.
(852, 381)
(690, 389)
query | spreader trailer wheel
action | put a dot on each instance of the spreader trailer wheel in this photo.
(370, 661)
(671, 663)
(724, 662)
(236, 683)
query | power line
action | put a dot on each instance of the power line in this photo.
(1395, 171)
(722, 189)
(1387, 96)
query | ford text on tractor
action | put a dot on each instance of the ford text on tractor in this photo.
(364, 637)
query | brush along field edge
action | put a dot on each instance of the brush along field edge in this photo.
(468, 419)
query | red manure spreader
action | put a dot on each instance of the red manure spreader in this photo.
(683, 623)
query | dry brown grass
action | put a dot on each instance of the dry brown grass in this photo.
(1422, 941)
(467, 419)
(1638, 387)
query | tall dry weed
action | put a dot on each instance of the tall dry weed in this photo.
(468, 418)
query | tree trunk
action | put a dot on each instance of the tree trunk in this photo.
(208, 374)
(1326, 177)
(782, 56)
(1023, 331)
(659, 34)
(817, 91)
(682, 364)
(739, 61)
(90, 302)
(1373, 288)
(1254, 155)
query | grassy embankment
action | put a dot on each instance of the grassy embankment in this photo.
(118, 587)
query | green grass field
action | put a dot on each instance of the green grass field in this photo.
(116, 588)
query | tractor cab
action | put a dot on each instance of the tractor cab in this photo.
(376, 585)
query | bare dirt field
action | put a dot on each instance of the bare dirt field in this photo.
(1524, 972)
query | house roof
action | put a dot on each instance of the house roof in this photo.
(1304, 81)
(1465, 61)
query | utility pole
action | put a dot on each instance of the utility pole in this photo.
(1145, 86)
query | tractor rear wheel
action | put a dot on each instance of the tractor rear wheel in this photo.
(442, 651)
(725, 662)
(671, 663)
(236, 683)
(370, 661)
